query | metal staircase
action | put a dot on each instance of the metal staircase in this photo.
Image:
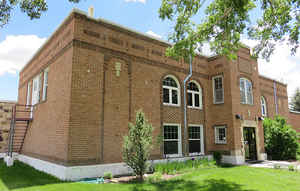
(20, 122)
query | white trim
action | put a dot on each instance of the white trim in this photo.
(199, 93)
(179, 140)
(2, 155)
(28, 93)
(235, 160)
(74, 173)
(201, 139)
(217, 141)
(45, 84)
(170, 92)
(213, 82)
(35, 90)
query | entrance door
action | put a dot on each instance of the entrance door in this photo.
(250, 143)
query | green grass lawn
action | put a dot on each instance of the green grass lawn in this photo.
(242, 178)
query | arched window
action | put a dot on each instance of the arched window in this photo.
(246, 94)
(171, 93)
(263, 106)
(194, 95)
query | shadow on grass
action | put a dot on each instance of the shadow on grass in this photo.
(187, 185)
(22, 176)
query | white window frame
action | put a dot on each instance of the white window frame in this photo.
(214, 90)
(263, 105)
(36, 94)
(170, 92)
(217, 141)
(179, 154)
(201, 140)
(28, 93)
(45, 84)
(245, 80)
(193, 96)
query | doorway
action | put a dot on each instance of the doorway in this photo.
(250, 143)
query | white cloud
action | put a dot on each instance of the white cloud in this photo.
(140, 1)
(15, 52)
(151, 33)
(282, 66)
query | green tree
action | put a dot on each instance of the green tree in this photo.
(295, 102)
(138, 144)
(33, 8)
(281, 141)
(222, 22)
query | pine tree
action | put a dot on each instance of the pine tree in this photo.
(138, 144)
(295, 104)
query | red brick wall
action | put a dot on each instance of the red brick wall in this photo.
(294, 120)
(47, 137)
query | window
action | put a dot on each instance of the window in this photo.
(196, 145)
(172, 140)
(28, 93)
(246, 95)
(220, 134)
(263, 106)
(194, 95)
(218, 89)
(45, 85)
(171, 95)
(36, 90)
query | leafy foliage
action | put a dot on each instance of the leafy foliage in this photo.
(281, 141)
(138, 144)
(217, 157)
(295, 103)
(183, 166)
(222, 22)
(33, 8)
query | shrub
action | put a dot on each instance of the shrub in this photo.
(281, 141)
(217, 157)
(182, 166)
(154, 178)
(276, 166)
(137, 145)
(107, 175)
(291, 168)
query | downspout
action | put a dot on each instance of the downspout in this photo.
(275, 97)
(184, 103)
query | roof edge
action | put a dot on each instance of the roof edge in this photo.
(272, 79)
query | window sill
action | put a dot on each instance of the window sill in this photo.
(195, 154)
(221, 143)
(247, 104)
(171, 105)
(197, 108)
(173, 156)
(218, 103)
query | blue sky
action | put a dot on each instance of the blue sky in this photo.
(20, 39)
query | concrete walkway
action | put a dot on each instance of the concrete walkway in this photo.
(271, 164)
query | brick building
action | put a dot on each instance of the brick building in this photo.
(5, 116)
(88, 80)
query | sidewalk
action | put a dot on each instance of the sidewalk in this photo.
(271, 164)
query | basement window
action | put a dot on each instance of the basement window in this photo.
(220, 135)
(172, 140)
